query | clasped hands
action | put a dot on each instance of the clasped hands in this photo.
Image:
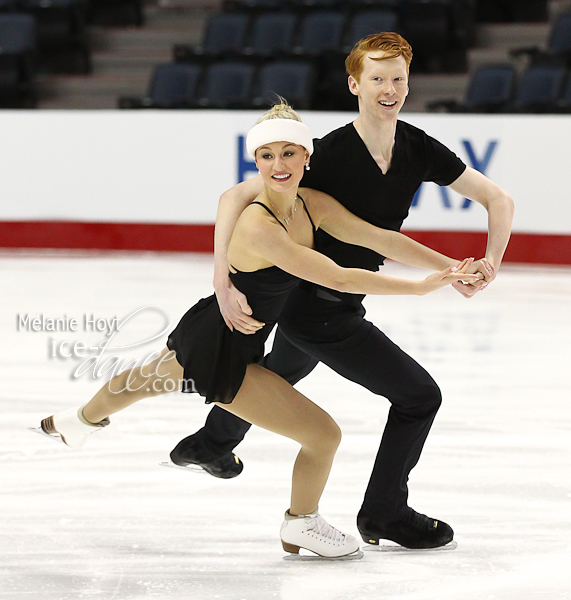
(486, 272)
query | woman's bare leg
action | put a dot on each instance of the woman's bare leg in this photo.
(267, 400)
(264, 399)
(162, 375)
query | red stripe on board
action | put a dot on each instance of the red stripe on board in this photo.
(523, 247)
(107, 236)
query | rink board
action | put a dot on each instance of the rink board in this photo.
(150, 180)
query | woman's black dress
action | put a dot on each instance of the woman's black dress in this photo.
(214, 358)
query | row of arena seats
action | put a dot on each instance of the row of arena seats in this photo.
(52, 31)
(545, 86)
(47, 36)
(227, 85)
(496, 89)
(558, 50)
(209, 82)
(440, 32)
(492, 89)
(486, 10)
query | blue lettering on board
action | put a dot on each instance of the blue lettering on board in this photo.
(480, 165)
(244, 164)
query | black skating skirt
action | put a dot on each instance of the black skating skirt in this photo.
(214, 358)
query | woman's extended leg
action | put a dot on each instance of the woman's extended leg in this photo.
(162, 375)
(267, 400)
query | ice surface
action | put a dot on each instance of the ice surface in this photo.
(107, 522)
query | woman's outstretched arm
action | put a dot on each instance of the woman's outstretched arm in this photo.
(268, 241)
(342, 224)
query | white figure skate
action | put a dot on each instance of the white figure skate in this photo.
(71, 426)
(312, 532)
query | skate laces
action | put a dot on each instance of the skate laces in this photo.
(320, 526)
(420, 522)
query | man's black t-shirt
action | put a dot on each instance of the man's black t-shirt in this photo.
(343, 167)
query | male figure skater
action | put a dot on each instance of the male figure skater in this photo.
(388, 159)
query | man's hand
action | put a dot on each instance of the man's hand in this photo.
(487, 274)
(235, 309)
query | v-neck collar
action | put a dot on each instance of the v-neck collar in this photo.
(370, 156)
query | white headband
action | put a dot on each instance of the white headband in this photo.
(278, 130)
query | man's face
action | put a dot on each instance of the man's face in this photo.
(382, 87)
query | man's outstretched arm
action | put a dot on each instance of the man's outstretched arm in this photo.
(233, 304)
(500, 206)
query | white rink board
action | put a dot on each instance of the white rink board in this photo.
(171, 166)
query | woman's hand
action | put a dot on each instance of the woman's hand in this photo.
(235, 309)
(450, 275)
(487, 275)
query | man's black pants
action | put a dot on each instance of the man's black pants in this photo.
(313, 328)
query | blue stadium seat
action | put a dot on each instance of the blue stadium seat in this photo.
(272, 35)
(227, 85)
(558, 46)
(539, 89)
(17, 48)
(172, 85)
(225, 35)
(321, 31)
(560, 37)
(490, 90)
(293, 80)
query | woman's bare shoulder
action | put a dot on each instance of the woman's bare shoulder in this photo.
(255, 220)
(314, 195)
(317, 202)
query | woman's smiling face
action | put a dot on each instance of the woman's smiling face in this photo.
(281, 165)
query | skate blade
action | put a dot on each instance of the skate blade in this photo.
(190, 468)
(315, 557)
(402, 550)
(39, 430)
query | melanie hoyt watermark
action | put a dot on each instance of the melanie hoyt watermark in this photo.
(97, 360)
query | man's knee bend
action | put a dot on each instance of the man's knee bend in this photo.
(434, 396)
(421, 401)
(429, 400)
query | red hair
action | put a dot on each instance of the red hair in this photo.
(389, 42)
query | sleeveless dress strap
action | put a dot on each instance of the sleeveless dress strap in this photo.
(271, 213)
(309, 216)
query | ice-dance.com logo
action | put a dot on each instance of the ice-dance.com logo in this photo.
(105, 358)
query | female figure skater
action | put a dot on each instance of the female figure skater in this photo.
(270, 250)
